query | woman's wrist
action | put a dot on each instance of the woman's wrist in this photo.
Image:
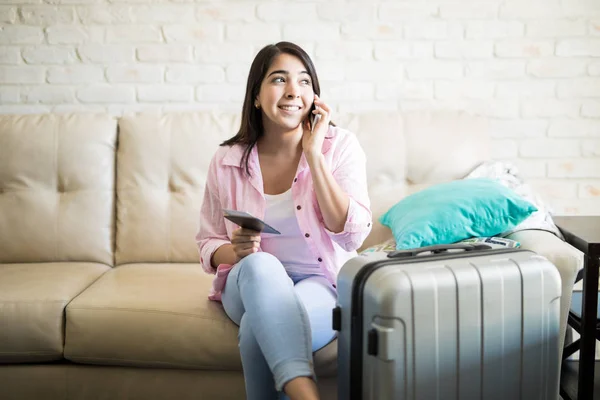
(314, 159)
(223, 255)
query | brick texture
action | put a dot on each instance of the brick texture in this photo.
(531, 66)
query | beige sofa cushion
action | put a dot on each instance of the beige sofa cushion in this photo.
(444, 145)
(381, 136)
(152, 315)
(162, 165)
(156, 315)
(57, 188)
(32, 301)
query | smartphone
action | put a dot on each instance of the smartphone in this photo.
(248, 221)
(314, 118)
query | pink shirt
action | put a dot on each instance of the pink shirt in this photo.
(229, 187)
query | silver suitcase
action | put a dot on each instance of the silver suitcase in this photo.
(448, 322)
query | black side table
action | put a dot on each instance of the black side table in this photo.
(583, 233)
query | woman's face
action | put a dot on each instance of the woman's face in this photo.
(286, 93)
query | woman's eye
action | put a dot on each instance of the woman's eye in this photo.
(278, 80)
(306, 81)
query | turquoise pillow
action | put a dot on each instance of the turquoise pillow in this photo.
(449, 212)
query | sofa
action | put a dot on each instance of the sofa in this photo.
(101, 292)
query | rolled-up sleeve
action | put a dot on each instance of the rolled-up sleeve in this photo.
(351, 174)
(212, 233)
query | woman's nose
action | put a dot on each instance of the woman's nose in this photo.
(293, 91)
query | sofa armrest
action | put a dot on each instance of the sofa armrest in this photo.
(567, 259)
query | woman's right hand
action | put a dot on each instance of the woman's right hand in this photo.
(245, 242)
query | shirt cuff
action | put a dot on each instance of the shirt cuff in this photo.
(207, 252)
(356, 228)
(358, 220)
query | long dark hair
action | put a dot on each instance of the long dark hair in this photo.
(251, 127)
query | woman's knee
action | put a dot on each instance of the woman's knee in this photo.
(262, 265)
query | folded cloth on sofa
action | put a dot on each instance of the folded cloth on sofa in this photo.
(508, 175)
(388, 245)
(494, 242)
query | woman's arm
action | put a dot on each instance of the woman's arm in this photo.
(332, 199)
(214, 244)
(342, 192)
(212, 234)
(350, 177)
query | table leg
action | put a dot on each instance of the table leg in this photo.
(587, 353)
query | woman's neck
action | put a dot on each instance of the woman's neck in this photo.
(281, 143)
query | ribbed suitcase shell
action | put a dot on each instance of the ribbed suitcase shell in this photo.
(455, 325)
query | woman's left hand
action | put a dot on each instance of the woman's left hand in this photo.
(312, 142)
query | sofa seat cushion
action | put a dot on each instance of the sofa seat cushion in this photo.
(32, 301)
(153, 315)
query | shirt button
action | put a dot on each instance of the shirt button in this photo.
(307, 234)
(320, 259)
(298, 207)
(295, 180)
(369, 224)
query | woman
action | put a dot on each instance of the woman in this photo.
(308, 182)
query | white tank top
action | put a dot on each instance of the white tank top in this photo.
(290, 247)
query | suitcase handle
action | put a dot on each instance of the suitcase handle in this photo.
(439, 248)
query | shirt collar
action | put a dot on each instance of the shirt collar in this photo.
(234, 155)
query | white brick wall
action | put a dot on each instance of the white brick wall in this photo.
(531, 66)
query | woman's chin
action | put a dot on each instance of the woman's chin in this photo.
(290, 125)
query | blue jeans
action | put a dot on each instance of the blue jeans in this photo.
(283, 319)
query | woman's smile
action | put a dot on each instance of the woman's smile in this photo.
(290, 109)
